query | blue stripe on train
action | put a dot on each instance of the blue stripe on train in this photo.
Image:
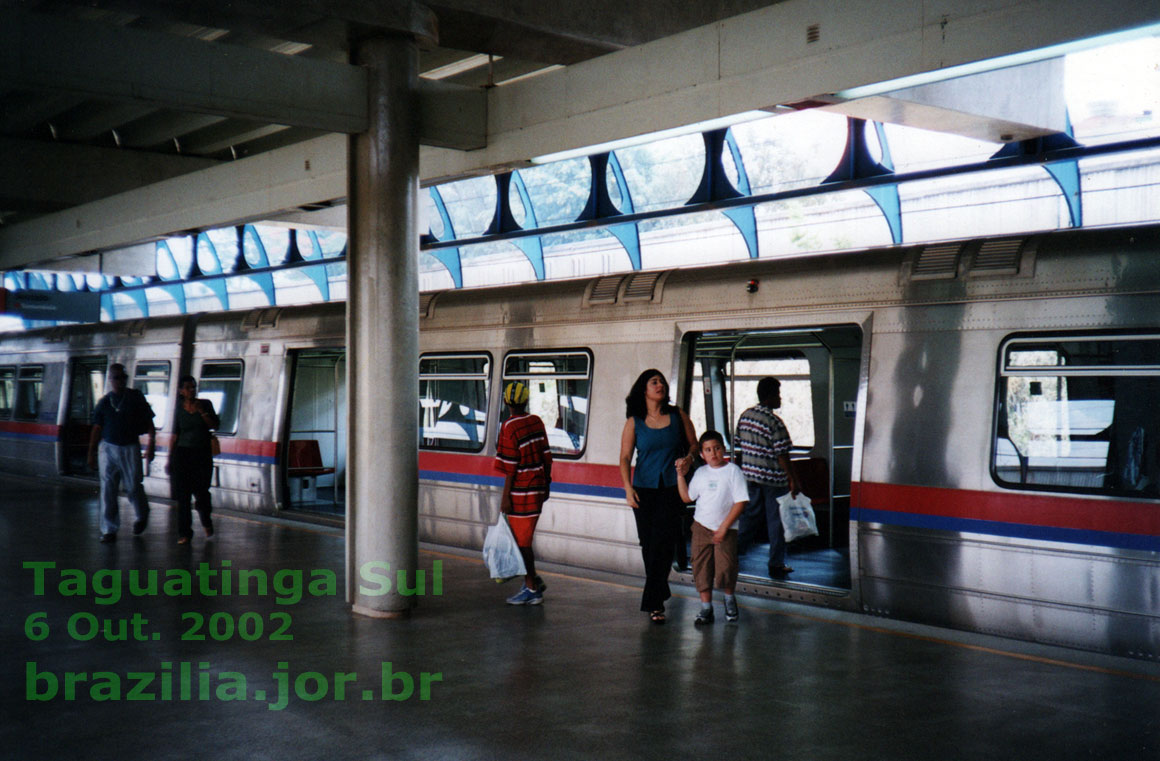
(46, 438)
(558, 487)
(236, 457)
(1013, 530)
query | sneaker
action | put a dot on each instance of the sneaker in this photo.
(108, 538)
(704, 617)
(139, 527)
(526, 597)
(731, 614)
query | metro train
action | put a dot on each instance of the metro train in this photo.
(977, 422)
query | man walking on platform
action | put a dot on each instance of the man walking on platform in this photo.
(522, 454)
(762, 451)
(120, 418)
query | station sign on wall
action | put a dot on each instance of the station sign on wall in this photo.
(73, 306)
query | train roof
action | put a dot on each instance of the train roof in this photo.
(1067, 262)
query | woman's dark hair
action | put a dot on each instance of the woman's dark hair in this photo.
(634, 404)
(186, 378)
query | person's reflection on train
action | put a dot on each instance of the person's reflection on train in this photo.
(659, 433)
(191, 460)
(762, 451)
(119, 420)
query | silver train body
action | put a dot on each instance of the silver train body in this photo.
(978, 422)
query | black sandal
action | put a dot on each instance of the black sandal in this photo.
(657, 616)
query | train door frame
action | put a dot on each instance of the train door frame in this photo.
(73, 430)
(337, 450)
(837, 356)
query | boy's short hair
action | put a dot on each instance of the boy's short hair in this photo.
(711, 436)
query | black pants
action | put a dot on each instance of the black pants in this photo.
(684, 535)
(191, 471)
(658, 524)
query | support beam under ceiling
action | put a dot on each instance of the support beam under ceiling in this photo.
(38, 175)
(250, 189)
(66, 55)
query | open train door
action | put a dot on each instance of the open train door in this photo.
(315, 440)
(819, 370)
(86, 386)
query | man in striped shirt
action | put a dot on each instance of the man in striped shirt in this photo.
(523, 456)
(762, 451)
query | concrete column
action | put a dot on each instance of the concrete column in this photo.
(382, 525)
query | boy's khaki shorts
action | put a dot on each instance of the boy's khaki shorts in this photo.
(714, 565)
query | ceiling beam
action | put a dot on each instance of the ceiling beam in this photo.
(780, 54)
(308, 173)
(227, 134)
(452, 116)
(566, 33)
(39, 175)
(24, 111)
(1012, 104)
(66, 55)
(326, 23)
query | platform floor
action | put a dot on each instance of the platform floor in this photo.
(584, 676)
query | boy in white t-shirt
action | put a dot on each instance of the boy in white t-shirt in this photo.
(721, 494)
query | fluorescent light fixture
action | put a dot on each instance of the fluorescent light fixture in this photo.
(528, 75)
(993, 64)
(458, 67)
(291, 48)
(652, 137)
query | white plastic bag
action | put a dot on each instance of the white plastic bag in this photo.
(797, 517)
(500, 552)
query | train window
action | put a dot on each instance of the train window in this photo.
(558, 386)
(221, 383)
(797, 407)
(453, 393)
(1079, 414)
(7, 391)
(29, 386)
(86, 388)
(724, 385)
(152, 380)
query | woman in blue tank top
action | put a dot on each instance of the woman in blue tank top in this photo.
(659, 433)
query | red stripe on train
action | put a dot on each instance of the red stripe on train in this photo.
(230, 445)
(37, 429)
(564, 471)
(1012, 507)
(255, 447)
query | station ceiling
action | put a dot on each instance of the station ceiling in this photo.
(75, 137)
(122, 121)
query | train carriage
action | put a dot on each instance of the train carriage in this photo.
(976, 421)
